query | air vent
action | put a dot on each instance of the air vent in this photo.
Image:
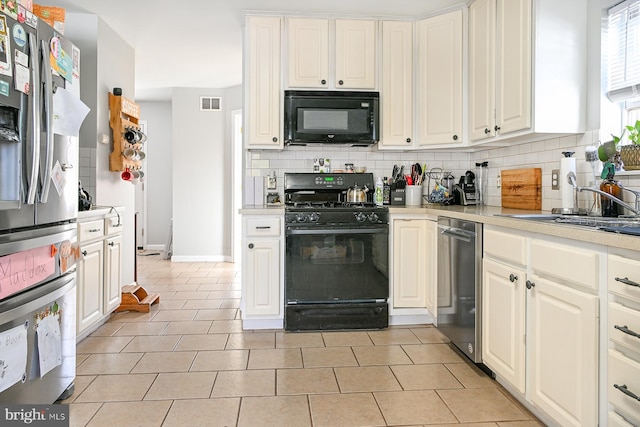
(208, 103)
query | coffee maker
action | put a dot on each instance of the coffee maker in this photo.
(464, 193)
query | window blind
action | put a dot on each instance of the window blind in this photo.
(623, 28)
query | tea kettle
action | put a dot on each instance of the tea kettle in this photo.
(357, 194)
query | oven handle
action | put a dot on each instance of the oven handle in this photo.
(339, 231)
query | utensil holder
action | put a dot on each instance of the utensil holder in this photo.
(413, 195)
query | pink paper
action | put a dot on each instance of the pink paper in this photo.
(23, 269)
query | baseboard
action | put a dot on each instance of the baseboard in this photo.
(249, 324)
(154, 248)
(191, 258)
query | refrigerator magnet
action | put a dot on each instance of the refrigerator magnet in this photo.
(22, 79)
(4, 88)
(19, 35)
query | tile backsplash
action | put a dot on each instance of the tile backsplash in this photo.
(545, 154)
(88, 170)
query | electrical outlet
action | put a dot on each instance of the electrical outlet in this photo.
(499, 181)
(555, 179)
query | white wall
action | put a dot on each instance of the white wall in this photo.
(107, 61)
(201, 152)
(159, 171)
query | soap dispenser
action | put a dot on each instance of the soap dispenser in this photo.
(610, 186)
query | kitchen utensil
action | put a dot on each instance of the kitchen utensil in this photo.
(357, 194)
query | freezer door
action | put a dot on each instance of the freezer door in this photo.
(38, 334)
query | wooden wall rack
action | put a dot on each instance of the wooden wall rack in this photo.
(123, 114)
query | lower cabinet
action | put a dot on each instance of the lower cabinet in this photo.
(262, 265)
(540, 331)
(414, 259)
(99, 284)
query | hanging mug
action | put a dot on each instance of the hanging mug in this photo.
(131, 135)
(126, 175)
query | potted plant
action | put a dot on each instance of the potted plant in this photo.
(630, 153)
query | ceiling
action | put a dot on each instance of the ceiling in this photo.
(196, 43)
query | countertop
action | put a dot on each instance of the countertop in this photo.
(100, 212)
(489, 215)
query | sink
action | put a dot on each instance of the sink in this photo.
(623, 225)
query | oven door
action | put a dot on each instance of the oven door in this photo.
(337, 265)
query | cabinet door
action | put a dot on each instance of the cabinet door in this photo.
(503, 321)
(355, 54)
(440, 79)
(90, 285)
(264, 97)
(563, 352)
(409, 267)
(397, 84)
(513, 79)
(308, 54)
(262, 277)
(431, 264)
(112, 277)
(482, 89)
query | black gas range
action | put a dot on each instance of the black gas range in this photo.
(336, 261)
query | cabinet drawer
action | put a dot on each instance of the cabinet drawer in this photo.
(568, 262)
(90, 230)
(616, 420)
(624, 269)
(624, 371)
(624, 317)
(505, 246)
(263, 227)
(113, 225)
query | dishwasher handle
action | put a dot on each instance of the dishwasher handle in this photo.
(458, 233)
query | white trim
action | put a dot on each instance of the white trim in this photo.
(248, 324)
(188, 258)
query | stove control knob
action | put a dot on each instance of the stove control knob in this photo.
(373, 217)
(314, 217)
(361, 217)
(301, 217)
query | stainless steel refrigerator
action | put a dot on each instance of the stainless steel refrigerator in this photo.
(39, 73)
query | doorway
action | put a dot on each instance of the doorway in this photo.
(236, 205)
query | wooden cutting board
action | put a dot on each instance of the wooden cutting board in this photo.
(522, 188)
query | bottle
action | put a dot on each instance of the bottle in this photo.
(379, 199)
(610, 186)
(386, 191)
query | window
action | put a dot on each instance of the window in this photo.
(624, 51)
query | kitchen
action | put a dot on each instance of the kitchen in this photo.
(380, 163)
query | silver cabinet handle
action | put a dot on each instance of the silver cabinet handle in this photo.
(94, 230)
(84, 253)
(263, 227)
(530, 284)
(513, 278)
(250, 245)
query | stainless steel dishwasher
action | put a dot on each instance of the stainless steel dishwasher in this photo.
(460, 284)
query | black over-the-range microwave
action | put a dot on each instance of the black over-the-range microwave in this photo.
(331, 117)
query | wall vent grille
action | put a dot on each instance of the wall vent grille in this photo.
(209, 103)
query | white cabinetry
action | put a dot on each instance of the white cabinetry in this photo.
(396, 94)
(413, 273)
(263, 94)
(262, 258)
(520, 79)
(525, 288)
(439, 79)
(99, 289)
(623, 327)
(331, 54)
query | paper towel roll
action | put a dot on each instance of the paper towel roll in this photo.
(567, 164)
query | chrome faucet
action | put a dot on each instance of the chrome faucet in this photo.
(571, 178)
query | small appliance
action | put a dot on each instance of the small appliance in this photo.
(464, 192)
(331, 117)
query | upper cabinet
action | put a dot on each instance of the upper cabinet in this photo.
(396, 94)
(331, 54)
(527, 68)
(263, 95)
(439, 79)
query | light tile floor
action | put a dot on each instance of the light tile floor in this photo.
(189, 363)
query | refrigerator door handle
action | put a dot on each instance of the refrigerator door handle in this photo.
(48, 125)
(35, 120)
